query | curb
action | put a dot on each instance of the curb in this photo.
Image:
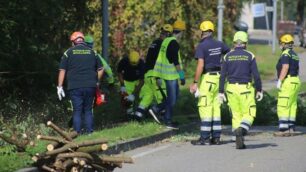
(139, 142)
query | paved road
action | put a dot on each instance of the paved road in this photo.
(264, 153)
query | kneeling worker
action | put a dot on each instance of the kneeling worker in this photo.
(130, 74)
(238, 67)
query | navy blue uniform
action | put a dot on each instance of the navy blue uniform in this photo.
(288, 57)
(81, 64)
(130, 72)
(211, 50)
(239, 66)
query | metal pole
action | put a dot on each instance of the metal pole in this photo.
(105, 26)
(220, 19)
(267, 21)
(274, 26)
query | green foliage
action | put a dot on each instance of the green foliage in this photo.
(14, 161)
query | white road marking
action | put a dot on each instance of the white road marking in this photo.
(150, 151)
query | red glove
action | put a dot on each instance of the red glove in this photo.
(99, 98)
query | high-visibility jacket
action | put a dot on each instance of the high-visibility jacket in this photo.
(163, 68)
(108, 70)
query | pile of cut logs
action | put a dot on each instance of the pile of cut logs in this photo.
(65, 154)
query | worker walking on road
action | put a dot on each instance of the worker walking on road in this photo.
(238, 68)
(154, 87)
(107, 69)
(288, 85)
(207, 74)
(83, 69)
(168, 67)
(130, 74)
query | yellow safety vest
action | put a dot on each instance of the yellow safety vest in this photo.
(162, 68)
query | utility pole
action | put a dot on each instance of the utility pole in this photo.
(220, 19)
(274, 38)
(105, 29)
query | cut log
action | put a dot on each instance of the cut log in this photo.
(53, 145)
(44, 167)
(72, 145)
(51, 138)
(59, 131)
(95, 148)
(67, 163)
(75, 155)
(121, 159)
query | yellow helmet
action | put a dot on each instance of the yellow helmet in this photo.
(207, 25)
(134, 57)
(167, 28)
(240, 36)
(179, 25)
(287, 38)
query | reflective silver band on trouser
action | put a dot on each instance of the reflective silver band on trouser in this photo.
(283, 122)
(216, 124)
(204, 128)
(245, 124)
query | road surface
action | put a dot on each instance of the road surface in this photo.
(264, 153)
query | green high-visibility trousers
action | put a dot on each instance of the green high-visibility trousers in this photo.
(209, 106)
(287, 102)
(241, 100)
(149, 91)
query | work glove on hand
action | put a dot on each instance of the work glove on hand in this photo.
(122, 89)
(197, 93)
(182, 77)
(279, 84)
(60, 92)
(222, 98)
(159, 82)
(130, 98)
(193, 88)
(259, 95)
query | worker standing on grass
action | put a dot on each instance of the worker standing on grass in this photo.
(207, 74)
(130, 74)
(238, 67)
(108, 71)
(83, 69)
(288, 85)
(168, 67)
(154, 87)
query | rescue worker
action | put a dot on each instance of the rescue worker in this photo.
(83, 69)
(288, 85)
(206, 84)
(153, 87)
(130, 74)
(168, 67)
(108, 71)
(238, 68)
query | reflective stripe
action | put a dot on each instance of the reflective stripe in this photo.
(283, 126)
(217, 127)
(245, 126)
(216, 119)
(246, 122)
(292, 119)
(207, 120)
(283, 119)
(205, 128)
(166, 72)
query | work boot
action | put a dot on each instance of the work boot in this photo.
(285, 133)
(172, 126)
(239, 138)
(201, 141)
(215, 141)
